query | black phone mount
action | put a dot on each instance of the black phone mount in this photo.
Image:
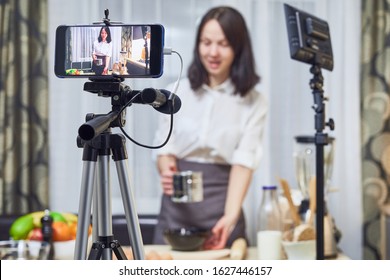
(106, 20)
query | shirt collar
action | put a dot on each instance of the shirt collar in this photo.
(226, 87)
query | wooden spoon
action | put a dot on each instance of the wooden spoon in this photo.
(293, 209)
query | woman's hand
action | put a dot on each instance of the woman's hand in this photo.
(167, 167)
(239, 180)
(220, 233)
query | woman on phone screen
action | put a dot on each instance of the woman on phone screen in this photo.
(102, 52)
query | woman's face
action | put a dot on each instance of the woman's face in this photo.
(103, 34)
(215, 52)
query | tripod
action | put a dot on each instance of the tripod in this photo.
(98, 144)
(320, 139)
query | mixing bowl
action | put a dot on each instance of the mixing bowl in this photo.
(186, 239)
(300, 250)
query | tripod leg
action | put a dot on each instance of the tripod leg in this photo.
(84, 214)
(130, 210)
(118, 251)
(96, 251)
(104, 243)
(104, 210)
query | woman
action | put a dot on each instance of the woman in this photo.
(217, 131)
(102, 52)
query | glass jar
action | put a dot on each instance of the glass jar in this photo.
(269, 216)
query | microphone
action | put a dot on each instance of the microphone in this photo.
(162, 100)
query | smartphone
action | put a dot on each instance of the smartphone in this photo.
(104, 51)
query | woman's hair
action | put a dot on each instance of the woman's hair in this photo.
(242, 73)
(108, 34)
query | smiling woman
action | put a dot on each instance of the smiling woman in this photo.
(215, 52)
(220, 105)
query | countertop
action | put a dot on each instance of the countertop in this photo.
(165, 252)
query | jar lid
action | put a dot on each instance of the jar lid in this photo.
(304, 139)
(269, 187)
(310, 139)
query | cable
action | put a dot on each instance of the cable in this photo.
(176, 85)
(152, 147)
(166, 51)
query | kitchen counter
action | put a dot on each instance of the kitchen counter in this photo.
(223, 254)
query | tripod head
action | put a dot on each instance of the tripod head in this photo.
(122, 96)
(316, 84)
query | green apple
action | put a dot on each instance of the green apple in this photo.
(57, 217)
(21, 227)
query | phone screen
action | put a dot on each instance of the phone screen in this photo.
(99, 51)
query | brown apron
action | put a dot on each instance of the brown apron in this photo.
(202, 214)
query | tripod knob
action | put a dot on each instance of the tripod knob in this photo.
(331, 124)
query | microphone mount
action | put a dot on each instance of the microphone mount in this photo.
(122, 96)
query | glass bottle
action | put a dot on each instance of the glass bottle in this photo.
(269, 216)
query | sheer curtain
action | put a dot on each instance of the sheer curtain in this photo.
(284, 81)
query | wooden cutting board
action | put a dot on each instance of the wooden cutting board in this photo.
(189, 255)
(182, 255)
(201, 255)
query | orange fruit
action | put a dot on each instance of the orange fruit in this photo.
(61, 231)
(73, 229)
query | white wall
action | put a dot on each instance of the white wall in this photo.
(285, 82)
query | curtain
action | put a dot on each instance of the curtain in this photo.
(375, 92)
(23, 106)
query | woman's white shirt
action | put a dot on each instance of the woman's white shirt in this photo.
(215, 126)
(102, 48)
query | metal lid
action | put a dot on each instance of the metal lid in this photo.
(304, 139)
(269, 187)
(309, 139)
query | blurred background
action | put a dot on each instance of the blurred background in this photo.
(40, 163)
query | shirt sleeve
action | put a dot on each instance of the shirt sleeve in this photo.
(250, 148)
(109, 49)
